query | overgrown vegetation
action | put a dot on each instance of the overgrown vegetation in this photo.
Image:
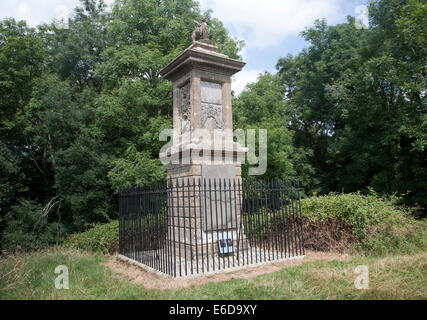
(103, 238)
(31, 229)
(374, 225)
(31, 276)
(81, 110)
(367, 224)
(349, 111)
(352, 223)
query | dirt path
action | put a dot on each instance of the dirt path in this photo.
(149, 280)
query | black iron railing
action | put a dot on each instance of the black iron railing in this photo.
(184, 227)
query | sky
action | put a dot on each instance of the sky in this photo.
(270, 28)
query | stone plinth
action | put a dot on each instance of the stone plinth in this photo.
(203, 147)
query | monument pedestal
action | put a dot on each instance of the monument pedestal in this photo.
(203, 156)
(205, 219)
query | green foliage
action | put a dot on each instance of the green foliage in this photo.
(82, 108)
(28, 227)
(261, 106)
(359, 101)
(103, 238)
(75, 51)
(379, 224)
(22, 56)
(136, 169)
(81, 179)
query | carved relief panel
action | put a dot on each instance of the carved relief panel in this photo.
(211, 105)
(185, 109)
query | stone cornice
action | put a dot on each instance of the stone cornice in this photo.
(201, 55)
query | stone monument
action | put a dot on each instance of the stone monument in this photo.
(203, 146)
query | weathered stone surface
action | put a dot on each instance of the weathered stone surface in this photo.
(218, 172)
(220, 203)
(202, 100)
(185, 109)
(211, 103)
(211, 92)
(201, 32)
(212, 116)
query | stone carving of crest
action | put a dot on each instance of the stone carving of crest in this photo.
(185, 109)
(212, 116)
(211, 101)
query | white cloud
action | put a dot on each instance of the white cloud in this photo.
(265, 23)
(23, 11)
(244, 77)
(262, 24)
(40, 11)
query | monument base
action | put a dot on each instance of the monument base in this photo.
(204, 172)
(204, 208)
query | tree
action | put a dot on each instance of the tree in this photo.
(22, 58)
(262, 105)
(82, 108)
(136, 103)
(358, 97)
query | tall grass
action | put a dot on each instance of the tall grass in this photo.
(31, 276)
(375, 225)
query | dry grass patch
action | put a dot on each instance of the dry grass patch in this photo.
(150, 280)
(392, 277)
(318, 276)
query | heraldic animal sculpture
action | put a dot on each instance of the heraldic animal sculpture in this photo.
(201, 32)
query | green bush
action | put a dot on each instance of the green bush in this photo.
(365, 223)
(102, 237)
(377, 224)
(27, 228)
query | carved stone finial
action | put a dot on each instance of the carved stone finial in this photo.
(201, 32)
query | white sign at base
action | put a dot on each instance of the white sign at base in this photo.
(225, 243)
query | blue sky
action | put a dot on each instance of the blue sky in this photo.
(270, 28)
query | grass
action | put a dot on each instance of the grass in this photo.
(31, 276)
(381, 235)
